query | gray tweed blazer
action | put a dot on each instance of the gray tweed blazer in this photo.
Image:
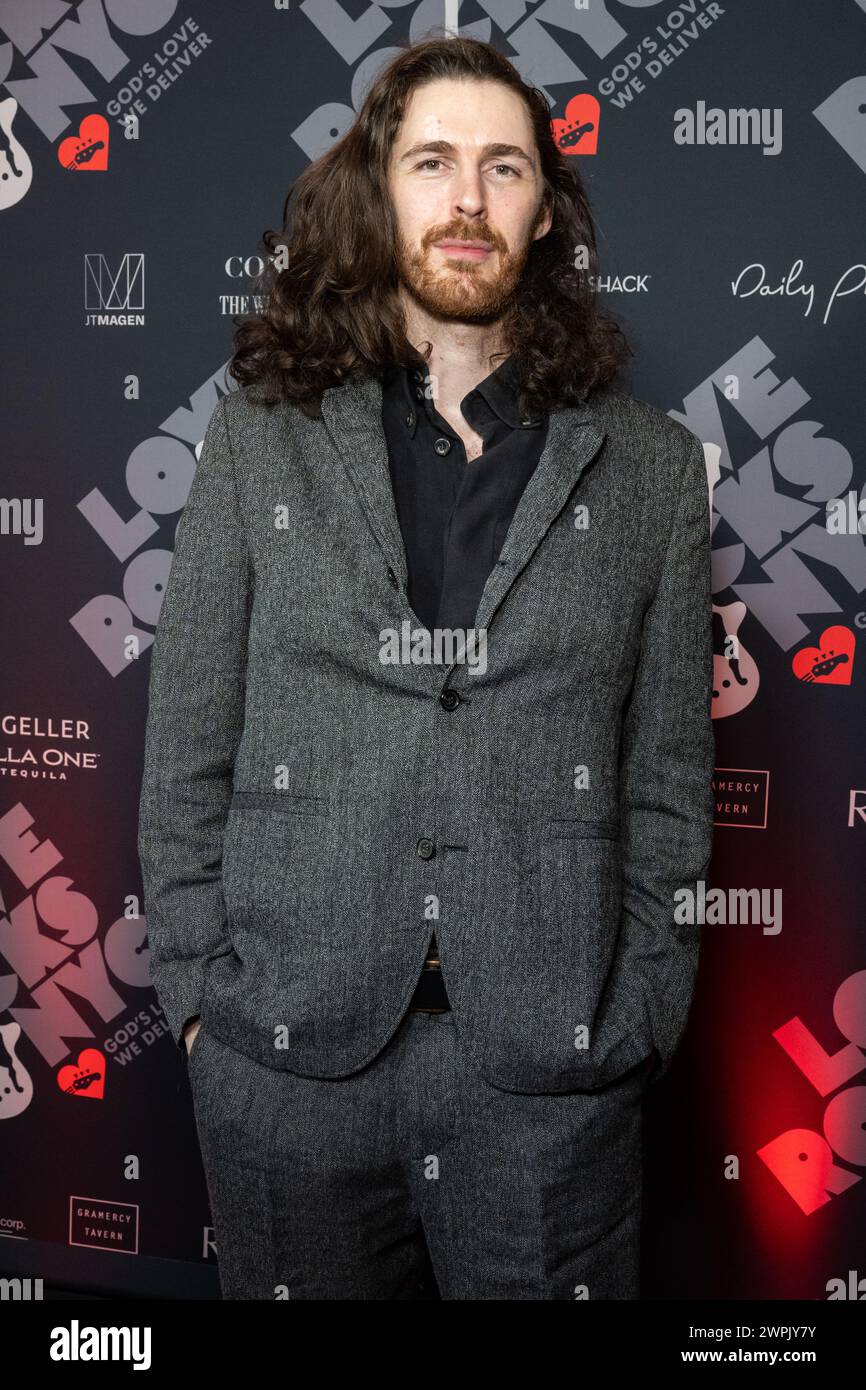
(311, 810)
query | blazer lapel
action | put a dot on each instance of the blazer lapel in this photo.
(574, 437)
(352, 414)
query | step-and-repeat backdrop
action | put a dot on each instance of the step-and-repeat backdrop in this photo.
(145, 147)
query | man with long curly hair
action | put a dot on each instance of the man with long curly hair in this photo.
(429, 747)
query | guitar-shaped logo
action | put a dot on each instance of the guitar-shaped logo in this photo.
(88, 150)
(16, 171)
(832, 663)
(16, 1083)
(578, 133)
(84, 1078)
(735, 672)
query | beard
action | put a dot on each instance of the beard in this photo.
(469, 291)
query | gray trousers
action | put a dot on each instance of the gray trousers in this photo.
(415, 1178)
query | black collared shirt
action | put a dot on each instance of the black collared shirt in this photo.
(454, 515)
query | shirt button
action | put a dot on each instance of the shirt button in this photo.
(425, 849)
(442, 446)
(449, 699)
(392, 579)
(410, 418)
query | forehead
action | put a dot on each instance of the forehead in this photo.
(467, 112)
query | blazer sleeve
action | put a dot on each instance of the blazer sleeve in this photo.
(194, 723)
(668, 758)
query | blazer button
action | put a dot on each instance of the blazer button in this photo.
(442, 446)
(425, 849)
(449, 699)
(392, 578)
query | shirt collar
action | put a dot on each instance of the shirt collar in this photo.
(499, 390)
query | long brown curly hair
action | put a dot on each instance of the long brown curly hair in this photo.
(333, 313)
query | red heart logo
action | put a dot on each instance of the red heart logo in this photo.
(578, 133)
(830, 664)
(86, 1077)
(88, 150)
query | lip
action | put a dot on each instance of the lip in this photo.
(468, 250)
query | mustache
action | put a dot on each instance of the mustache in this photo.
(483, 233)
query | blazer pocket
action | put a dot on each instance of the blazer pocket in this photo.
(573, 901)
(292, 803)
(545, 1021)
(568, 828)
(277, 873)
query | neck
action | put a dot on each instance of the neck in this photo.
(460, 356)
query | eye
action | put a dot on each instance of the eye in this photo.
(510, 171)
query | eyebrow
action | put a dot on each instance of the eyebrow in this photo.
(495, 151)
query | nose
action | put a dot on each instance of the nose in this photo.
(469, 195)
